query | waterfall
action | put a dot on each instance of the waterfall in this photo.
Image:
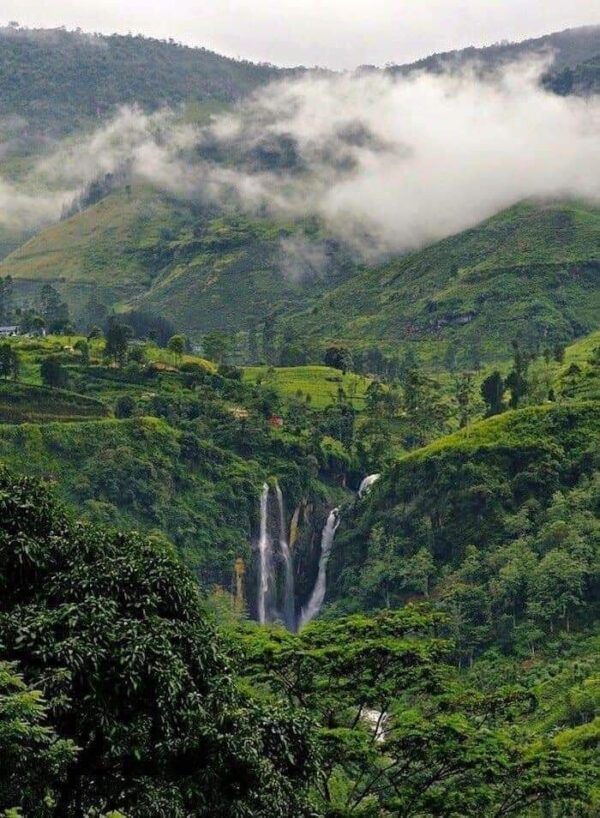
(367, 483)
(318, 594)
(265, 554)
(289, 605)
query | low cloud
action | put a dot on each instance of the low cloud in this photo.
(388, 164)
(391, 165)
(153, 148)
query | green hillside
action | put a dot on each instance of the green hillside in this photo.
(502, 501)
(583, 79)
(21, 403)
(579, 376)
(318, 384)
(568, 48)
(532, 273)
(196, 265)
(59, 81)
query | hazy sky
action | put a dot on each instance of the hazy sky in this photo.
(333, 33)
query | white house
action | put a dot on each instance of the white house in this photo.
(9, 332)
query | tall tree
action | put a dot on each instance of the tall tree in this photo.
(270, 339)
(216, 346)
(112, 630)
(492, 392)
(516, 380)
(10, 362)
(464, 395)
(53, 309)
(117, 341)
(6, 299)
(53, 373)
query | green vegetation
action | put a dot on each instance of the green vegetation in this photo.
(318, 385)
(529, 273)
(61, 81)
(497, 522)
(142, 714)
(194, 265)
(24, 403)
(453, 670)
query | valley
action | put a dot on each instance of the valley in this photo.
(299, 432)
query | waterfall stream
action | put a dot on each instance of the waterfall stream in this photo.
(318, 595)
(265, 557)
(289, 603)
(367, 483)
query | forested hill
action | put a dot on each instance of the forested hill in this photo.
(568, 48)
(530, 272)
(59, 80)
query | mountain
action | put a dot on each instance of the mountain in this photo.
(532, 272)
(566, 48)
(583, 79)
(208, 268)
(199, 266)
(56, 81)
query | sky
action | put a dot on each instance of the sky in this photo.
(332, 33)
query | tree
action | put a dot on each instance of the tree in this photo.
(6, 299)
(83, 347)
(10, 362)
(176, 346)
(492, 392)
(253, 355)
(53, 373)
(53, 310)
(112, 630)
(269, 339)
(95, 312)
(117, 342)
(338, 357)
(400, 734)
(425, 412)
(464, 395)
(216, 346)
(150, 326)
(33, 759)
(125, 406)
(516, 380)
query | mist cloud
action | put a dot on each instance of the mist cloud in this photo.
(152, 148)
(391, 165)
(387, 164)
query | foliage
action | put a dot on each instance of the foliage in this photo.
(401, 733)
(33, 759)
(10, 362)
(60, 80)
(53, 373)
(506, 512)
(111, 629)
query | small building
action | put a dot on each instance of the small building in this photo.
(9, 331)
(276, 421)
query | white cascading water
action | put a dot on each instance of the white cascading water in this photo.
(265, 555)
(289, 605)
(367, 483)
(318, 595)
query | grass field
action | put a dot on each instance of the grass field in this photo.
(320, 383)
(25, 403)
(579, 376)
